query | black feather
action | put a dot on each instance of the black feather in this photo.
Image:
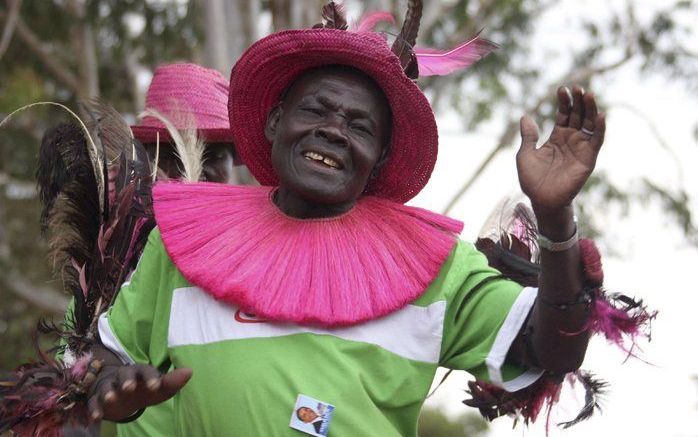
(594, 390)
(334, 16)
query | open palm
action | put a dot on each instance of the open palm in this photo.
(553, 174)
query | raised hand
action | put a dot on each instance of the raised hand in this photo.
(553, 174)
(121, 391)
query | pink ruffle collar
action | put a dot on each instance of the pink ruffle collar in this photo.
(234, 243)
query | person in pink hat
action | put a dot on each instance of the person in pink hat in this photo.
(191, 97)
(320, 289)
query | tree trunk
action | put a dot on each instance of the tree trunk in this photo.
(281, 14)
(82, 40)
(216, 46)
(235, 32)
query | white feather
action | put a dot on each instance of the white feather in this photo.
(189, 147)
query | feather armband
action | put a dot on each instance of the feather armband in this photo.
(509, 242)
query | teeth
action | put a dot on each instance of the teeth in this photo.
(314, 156)
(318, 157)
(331, 162)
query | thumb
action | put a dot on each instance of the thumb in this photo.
(173, 381)
(529, 133)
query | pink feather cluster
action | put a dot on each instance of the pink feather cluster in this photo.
(41, 397)
(527, 404)
(620, 319)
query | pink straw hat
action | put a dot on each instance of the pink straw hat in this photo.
(190, 96)
(272, 64)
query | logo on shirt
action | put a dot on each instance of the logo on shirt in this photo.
(243, 317)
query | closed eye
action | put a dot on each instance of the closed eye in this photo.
(361, 128)
(312, 110)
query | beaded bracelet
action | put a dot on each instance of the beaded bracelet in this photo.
(558, 246)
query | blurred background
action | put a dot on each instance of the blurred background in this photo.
(640, 58)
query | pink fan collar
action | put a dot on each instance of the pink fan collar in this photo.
(233, 242)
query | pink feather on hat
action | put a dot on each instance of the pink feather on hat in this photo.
(369, 21)
(433, 62)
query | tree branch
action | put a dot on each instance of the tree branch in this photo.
(10, 24)
(654, 129)
(61, 73)
(43, 297)
(504, 141)
(575, 76)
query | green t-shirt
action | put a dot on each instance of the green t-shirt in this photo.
(247, 373)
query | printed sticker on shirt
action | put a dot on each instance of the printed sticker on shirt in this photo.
(311, 416)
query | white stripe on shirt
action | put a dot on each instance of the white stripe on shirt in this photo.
(413, 332)
(505, 337)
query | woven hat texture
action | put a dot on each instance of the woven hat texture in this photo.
(190, 96)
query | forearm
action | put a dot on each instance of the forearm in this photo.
(557, 337)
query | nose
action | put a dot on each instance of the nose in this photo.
(332, 132)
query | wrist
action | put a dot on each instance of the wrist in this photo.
(557, 224)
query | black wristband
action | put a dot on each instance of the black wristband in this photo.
(584, 298)
(130, 418)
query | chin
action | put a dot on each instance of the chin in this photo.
(321, 194)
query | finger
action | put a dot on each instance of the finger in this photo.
(529, 133)
(149, 376)
(95, 409)
(171, 383)
(590, 112)
(95, 404)
(174, 381)
(91, 376)
(106, 391)
(127, 379)
(577, 114)
(564, 106)
(599, 132)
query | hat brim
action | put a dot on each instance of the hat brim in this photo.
(269, 66)
(149, 134)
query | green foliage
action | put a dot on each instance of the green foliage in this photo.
(433, 423)
(675, 205)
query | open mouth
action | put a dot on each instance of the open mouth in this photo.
(322, 159)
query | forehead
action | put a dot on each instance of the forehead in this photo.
(337, 84)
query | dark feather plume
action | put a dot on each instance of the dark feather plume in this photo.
(594, 390)
(334, 16)
(70, 206)
(94, 245)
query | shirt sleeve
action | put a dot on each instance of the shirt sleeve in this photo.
(135, 327)
(484, 314)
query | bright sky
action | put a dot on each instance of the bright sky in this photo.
(649, 260)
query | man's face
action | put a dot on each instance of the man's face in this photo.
(306, 414)
(328, 134)
(219, 160)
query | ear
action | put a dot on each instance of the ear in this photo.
(272, 122)
(381, 161)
